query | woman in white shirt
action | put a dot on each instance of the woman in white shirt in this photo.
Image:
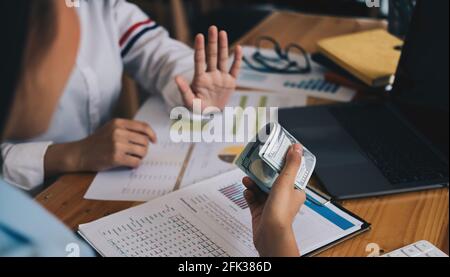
(42, 39)
(43, 43)
(116, 36)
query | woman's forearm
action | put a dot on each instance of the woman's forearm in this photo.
(61, 159)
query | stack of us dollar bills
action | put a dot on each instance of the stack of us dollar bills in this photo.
(264, 158)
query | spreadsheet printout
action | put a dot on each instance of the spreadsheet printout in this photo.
(159, 171)
(209, 219)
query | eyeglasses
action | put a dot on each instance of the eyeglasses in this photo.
(282, 62)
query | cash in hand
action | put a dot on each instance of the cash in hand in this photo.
(264, 158)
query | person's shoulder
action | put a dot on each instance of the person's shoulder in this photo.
(101, 7)
(109, 4)
(26, 219)
(93, 12)
(6, 191)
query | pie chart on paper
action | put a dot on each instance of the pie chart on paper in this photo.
(230, 153)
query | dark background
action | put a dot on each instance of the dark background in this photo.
(238, 16)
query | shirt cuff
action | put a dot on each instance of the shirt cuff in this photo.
(24, 164)
(171, 93)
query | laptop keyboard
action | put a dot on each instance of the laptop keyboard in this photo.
(390, 145)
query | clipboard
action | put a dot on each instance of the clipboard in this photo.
(365, 227)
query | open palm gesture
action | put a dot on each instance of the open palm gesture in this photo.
(213, 82)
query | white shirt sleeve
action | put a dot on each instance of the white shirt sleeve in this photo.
(23, 164)
(150, 56)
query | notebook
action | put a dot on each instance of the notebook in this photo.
(212, 219)
(371, 56)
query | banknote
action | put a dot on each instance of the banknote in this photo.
(264, 158)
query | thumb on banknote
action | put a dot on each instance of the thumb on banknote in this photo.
(287, 177)
(285, 201)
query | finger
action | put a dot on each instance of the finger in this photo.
(236, 67)
(260, 196)
(134, 150)
(212, 48)
(127, 161)
(223, 51)
(200, 55)
(255, 206)
(138, 127)
(248, 183)
(249, 197)
(251, 200)
(186, 92)
(299, 196)
(136, 138)
(124, 136)
(287, 177)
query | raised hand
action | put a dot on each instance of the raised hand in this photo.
(213, 82)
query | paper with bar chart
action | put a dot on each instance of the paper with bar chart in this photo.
(211, 159)
(312, 84)
(169, 166)
(210, 219)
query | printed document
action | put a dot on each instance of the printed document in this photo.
(209, 219)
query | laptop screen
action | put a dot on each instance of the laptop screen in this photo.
(421, 88)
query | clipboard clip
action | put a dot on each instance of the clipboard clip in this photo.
(317, 203)
(328, 200)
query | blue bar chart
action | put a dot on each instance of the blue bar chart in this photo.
(319, 85)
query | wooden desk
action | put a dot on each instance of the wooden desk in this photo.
(396, 220)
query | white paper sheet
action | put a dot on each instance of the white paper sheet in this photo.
(312, 84)
(211, 159)
(162, 170)
(208, 219)
(159, 171)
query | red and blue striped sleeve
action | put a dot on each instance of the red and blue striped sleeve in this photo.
(148, 53)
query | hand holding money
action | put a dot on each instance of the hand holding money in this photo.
(264, 158)
(274, 214)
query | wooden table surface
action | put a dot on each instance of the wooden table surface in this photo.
(396, 220)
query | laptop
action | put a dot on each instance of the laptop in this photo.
(396, 144)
